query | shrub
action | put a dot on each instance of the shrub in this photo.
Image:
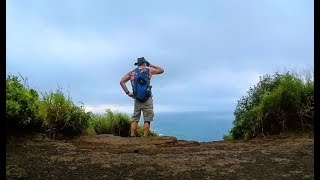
(115, 123)
(277, 104)
(21, 106)
(111, 123)
(100, 124)
(61, 115)
(120, 123)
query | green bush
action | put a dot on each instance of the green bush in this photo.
(111, 123)
(21, 106)
(100, 124)
(120, 123)
(61, 116)
(277, 104)
(115, 123)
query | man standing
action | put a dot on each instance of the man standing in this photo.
(140, 80)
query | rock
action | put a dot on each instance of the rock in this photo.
(136, 151)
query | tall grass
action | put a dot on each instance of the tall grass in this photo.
(277, 104)
(61, 115)
(115, 123)
(111, 123)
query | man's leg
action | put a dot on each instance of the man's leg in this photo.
(146, 129)
(135, 118)
(133, 128)
(147, 116)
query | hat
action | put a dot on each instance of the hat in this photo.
(140, 61)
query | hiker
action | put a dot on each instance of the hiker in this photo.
(140, 80)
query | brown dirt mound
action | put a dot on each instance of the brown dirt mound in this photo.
(113, 157)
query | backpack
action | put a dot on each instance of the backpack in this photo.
(141, 87)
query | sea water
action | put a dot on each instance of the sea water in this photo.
(197, 126)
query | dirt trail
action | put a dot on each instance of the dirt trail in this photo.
(112, 157)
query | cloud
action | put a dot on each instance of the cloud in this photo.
(37, 39)
(101, 108)
(53, 43)
(227, 78)
(210, 78)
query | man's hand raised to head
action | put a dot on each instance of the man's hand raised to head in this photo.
(155, 69)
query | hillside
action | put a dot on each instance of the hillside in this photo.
(113, 157)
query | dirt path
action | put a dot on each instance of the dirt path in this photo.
(111, 157)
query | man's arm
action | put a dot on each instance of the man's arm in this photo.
(123, 81)
(155, 69)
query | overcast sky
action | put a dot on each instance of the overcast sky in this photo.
(212, 51)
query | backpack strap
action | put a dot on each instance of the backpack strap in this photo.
(137, 70)
(147, 70)
(147, 73)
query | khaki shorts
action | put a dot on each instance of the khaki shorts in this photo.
(147, 109)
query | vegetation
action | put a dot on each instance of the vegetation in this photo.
(56, 114)
(115, 123)
(61, 116)
(277, 104)
(21, 106)
(111, 123)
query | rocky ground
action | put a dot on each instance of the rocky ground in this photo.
(112, 157)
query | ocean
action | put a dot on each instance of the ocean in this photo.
(197, 126)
